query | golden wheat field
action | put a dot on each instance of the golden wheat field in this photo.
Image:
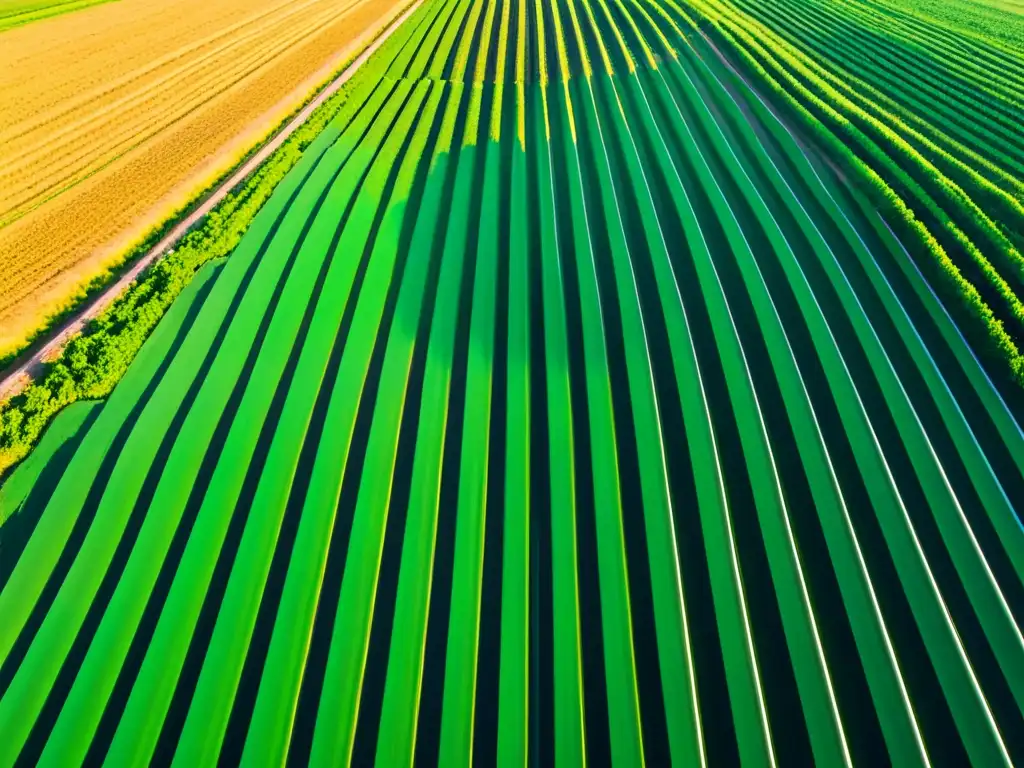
(113, 116)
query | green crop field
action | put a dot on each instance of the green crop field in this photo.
(610, 380)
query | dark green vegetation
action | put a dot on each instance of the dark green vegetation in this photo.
(559, 403)
(14, 13)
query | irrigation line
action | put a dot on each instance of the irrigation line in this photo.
(21, 373)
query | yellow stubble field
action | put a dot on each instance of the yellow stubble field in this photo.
(113, 117)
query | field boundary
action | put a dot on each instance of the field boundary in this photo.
(27, 367)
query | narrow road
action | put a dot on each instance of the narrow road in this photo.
(22, 371)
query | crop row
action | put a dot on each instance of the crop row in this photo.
(970, 259)
(593, 418)
(983, 26)
(887, 97)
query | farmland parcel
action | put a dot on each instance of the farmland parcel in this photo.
(561, 403)
(113, 116)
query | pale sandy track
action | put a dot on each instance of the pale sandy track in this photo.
(23, 371)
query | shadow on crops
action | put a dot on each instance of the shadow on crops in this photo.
(17, 530)
(158, 595)
(83, 521)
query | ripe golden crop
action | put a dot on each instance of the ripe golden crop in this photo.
(112, 117)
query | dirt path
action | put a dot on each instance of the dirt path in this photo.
(24, 370)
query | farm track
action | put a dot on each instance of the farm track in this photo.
(557, 405)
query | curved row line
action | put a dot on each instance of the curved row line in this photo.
(590, 418)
